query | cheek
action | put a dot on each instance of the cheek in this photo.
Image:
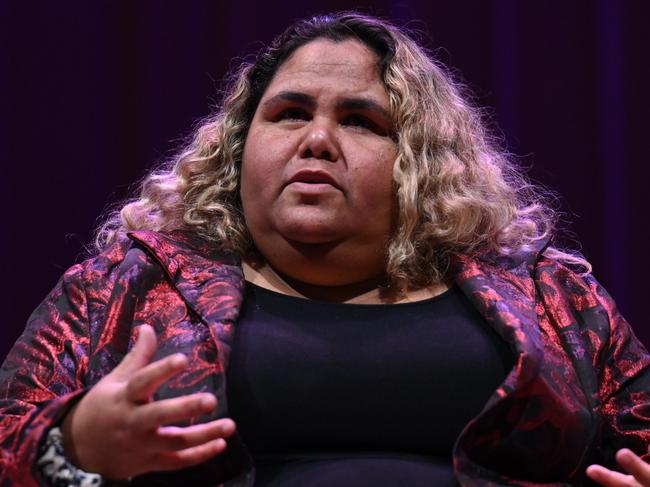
(375, 177)
(264, 159)
(255, 167)
(265, 154)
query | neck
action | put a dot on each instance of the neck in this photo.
(364, 292)
(265, 276)
(347, 293)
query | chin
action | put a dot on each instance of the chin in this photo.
(310, 233)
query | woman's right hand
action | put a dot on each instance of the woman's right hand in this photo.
(116, 430)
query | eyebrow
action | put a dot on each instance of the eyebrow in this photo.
(294, 96)
(343, 104)
(362, 104)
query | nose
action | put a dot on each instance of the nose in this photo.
(319, 142)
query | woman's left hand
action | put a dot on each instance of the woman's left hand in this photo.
(638, 470)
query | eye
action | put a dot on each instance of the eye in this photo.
(292, 114)
(359, 121)
(362, 122)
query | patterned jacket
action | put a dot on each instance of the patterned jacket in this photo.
(579, 390)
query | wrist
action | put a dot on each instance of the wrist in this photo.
(58, 469)
(67, 437)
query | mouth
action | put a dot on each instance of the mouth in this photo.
(314, 177)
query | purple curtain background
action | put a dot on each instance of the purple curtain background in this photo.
(95, 93)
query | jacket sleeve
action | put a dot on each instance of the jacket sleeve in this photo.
(623, 369)
(42, 377)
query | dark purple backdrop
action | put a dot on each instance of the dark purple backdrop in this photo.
(94, 94)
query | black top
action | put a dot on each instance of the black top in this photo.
(352, 394)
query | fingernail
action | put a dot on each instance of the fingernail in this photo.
(624, 455)
(208, 402)
(229, 427)
(592, 472)
(178, 359)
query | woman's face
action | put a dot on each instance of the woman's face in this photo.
(318, 160)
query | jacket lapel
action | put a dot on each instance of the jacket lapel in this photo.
(505, 296)
(210, 281)
(534, 411)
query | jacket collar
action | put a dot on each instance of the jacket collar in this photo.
(210, 280)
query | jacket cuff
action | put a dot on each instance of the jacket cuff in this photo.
(20, 465)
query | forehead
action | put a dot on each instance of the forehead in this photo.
(346, 67)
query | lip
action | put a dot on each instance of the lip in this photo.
(317, 177)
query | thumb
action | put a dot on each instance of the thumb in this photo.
(140, 355)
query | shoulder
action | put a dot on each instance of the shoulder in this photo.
(147, 252)
(530, 262)
(104, 264)
(561, 281)
(576, 303)
(142, 258)
(510, 274)
(540, 271)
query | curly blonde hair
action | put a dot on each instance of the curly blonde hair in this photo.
(457, 191)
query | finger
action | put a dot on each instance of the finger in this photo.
(167, 411)
(140, 355)
(609, 478)
(172, 438)
(632, 464)
(190, 456)
(147, 380)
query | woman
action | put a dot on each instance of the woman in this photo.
(343, 263)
